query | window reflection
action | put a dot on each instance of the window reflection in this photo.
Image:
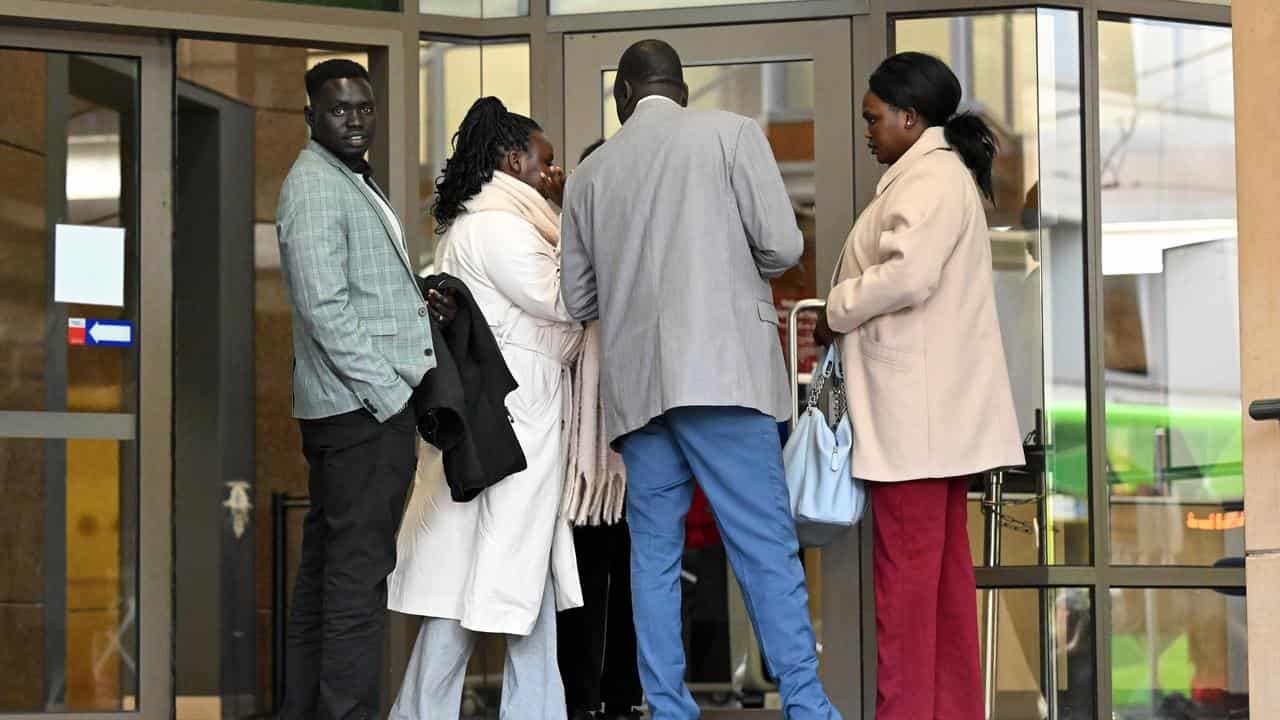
(96, 669)
(1179, 653)
(383, 5)
(1171, 293)
(780, 96)
(452, 76)
(82, 143)
(1020, 71)
(1037, 653)
(475, 8)
(570, 7)
(68, 587)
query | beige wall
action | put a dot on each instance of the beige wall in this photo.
(1257, 76)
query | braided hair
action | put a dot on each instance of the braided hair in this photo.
(488, 132)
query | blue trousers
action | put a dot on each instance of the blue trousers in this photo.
(736, 456)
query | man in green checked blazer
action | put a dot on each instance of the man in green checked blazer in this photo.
(361, 345)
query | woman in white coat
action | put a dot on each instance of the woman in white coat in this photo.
(928, 386)
(503, 562)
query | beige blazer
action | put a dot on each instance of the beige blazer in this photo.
(929, 393)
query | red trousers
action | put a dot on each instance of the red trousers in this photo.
(926, 602)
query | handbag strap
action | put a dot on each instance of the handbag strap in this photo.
(829, 368)
(833, 372)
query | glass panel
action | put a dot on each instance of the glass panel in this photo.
(570, 7)
(780, 97)
(66, 161)
(475, 8)
(1171, 304)
(1179, 654)
(1032, 640)
(68, 593)
(219, 82)
(266, 77)
(1021, 72)
(452, 76)
(725, 667)
(385, 5)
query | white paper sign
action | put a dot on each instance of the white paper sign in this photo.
(89, 265)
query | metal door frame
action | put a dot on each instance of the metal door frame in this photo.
(828, 44)
(151, 426)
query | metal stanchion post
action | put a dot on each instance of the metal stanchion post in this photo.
(279, 552)
(994, 497)
(1037, 464)
(1049, 651)
(1160, 462)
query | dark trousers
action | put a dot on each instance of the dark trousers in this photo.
(361, 471)
(597, 642)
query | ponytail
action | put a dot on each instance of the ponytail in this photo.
(921, 82)
(971, 137)
(487, 133)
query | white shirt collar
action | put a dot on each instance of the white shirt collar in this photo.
(664, 98)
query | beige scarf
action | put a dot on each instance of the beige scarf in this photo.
(507, 194)
(594, 486)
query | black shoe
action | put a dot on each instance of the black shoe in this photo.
(617, 714)
(581, 714)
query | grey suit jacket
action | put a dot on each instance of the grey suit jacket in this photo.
(360, 334)
(670, 232)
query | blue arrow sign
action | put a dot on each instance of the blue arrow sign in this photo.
(109, 333)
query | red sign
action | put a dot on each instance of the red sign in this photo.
(76, 331)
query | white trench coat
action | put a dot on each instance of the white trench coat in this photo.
(485, 562)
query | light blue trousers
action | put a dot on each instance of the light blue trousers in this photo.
(736, 457)
(531, 684)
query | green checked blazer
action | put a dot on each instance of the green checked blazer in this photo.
(360, 331)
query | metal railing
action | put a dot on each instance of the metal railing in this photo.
(1268, 409)
(281, 504)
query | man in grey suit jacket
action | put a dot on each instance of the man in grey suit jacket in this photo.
(361, 345)
(670, 233)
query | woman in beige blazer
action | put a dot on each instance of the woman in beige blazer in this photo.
(914, 309)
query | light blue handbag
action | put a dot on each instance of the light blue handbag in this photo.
(825, 497)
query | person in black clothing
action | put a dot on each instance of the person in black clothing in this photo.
(597, 642)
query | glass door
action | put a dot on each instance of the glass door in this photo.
(795, 80)
(1109, 573)
(84, 411)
